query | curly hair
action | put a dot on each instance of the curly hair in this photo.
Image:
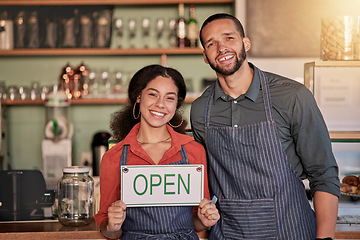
(122, 121)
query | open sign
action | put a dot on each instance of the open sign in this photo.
(162, 185)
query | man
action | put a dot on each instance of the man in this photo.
(263, 134)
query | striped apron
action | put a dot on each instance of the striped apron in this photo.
(259, 195)
(170, 222)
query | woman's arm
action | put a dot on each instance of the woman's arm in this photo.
(111, 228)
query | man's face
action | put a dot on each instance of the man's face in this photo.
(224, 48)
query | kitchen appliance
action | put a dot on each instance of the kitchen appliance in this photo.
(99, 147)
(23, 195)
(56, 148)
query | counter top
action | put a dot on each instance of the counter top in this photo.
(52, 229)
(47, 229)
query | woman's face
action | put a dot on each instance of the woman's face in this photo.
(158, 101)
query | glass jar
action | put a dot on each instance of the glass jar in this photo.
(340, 38)
(76, 197)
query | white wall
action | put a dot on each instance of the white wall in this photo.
(288, 67)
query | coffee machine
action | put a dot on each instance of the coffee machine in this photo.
(56, 147)
(99, 146)
(23, 196)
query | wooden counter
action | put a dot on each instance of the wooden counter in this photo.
(48, 229)
(52, 229)
(347, 235)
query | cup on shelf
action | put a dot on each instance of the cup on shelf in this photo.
(44, 91)
(145, 30)
(119, 31)
(132, 32)
(93, 85)
(24, 92)
(172, 33)
(105, 84)
(35, 91)
(13, 93)
(118, 85)
(160, 28)
(3, 90)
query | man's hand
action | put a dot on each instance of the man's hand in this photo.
(208, 213)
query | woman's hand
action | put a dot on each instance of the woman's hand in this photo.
(116, 215)
(208, 213)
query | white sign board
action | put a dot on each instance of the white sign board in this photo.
(336, 90)
(162, 185)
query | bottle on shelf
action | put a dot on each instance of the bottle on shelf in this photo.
(67, 80)
(181, 28)
(83, 72)
(192, 28)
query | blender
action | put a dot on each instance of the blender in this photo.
(56, 147)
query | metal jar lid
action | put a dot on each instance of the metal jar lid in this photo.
(76, 169)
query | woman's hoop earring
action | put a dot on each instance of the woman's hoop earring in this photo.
(135, 117)
(182, 120)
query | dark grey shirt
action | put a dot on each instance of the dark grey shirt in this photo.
(302, 131)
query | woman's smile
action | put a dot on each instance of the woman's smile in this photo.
(157, 114)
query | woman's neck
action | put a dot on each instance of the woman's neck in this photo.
(149, 135)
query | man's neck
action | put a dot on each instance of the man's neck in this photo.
(238, 83)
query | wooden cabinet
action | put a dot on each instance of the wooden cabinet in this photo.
(106, 2)
(25, 118)
(101, 52)
(107, 51)
(81, 101)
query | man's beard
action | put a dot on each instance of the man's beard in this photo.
(231, 71)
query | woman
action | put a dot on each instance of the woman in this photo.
(146, 130)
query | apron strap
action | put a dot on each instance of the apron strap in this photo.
(123, 158)
(208, 106)
(124, 154)
(184, 157)
(266, 95)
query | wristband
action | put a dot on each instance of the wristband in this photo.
(328, 238)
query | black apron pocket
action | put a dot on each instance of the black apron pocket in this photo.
(248, 219)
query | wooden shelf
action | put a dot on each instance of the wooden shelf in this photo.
(336, 136)
(99, 51)
(345, 136)
(321, 63)
(80, 101)
(106, 2)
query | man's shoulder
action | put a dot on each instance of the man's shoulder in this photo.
(276, 80)
(201, 100)
(285, 86)
(284, 90)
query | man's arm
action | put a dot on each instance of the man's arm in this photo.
(197, 122)
(313, 146)
(326, 211)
